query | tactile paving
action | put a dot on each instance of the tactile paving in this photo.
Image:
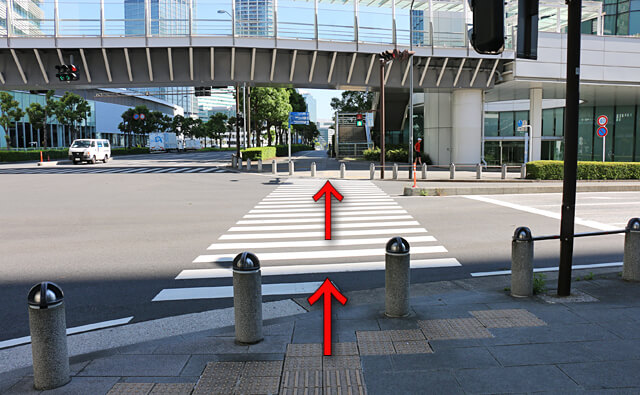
(344, 349)
(172, 389)
(301, 379)
(376, 348)
(508, 318)
(412, 347)
(344, 381)
(340, 362)
(304, 350)
(304, 363)
(373, 336)
(219, 378)
(302, 391)
(258, 385)
(455, 328)
(130, 389)
(405, 335)
(262, 369)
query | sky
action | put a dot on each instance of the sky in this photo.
(323, 100)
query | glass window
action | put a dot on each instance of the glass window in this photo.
(634, 23)
(506, 123)
(637, 136)
(547, 122)
(623, 136)
(552, 150)
(623, 24)
(635, 5)
(586, 130)
(623, 6)
(609, 24)
(558, 114)
(491, 124)
(492, 152)
(610, 9)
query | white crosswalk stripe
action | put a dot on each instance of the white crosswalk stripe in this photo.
(286, 230)
(140, 169)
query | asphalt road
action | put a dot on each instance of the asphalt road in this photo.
(116, 242)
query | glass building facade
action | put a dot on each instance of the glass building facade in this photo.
(622, 17)
(168, 17)
(254, 18)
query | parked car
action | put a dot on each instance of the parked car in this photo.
(89, 150)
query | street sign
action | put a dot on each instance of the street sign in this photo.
(522, 123)
(602, 131)
(299, 118)
(602, 120)
(136, 116)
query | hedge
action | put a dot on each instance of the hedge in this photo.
(259, 153)
(283, 149)
(554, 170)
(400, 155)
(57, 154)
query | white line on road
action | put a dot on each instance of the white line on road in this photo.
(70, 331)
(312, 243)
(167, 169)
(196, 169)
(319, 204)
(578, 221)
(321, 226)
(210, 170)
(195, 274)
(272, 235)
(177, 170)
(227, 291)
(322, 214)
(308, 220)
(320, 208)
(274, 256)
(548, 269)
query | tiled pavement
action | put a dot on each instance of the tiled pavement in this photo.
(462, 337)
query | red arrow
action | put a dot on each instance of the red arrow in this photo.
(327, 190)
(327, 289)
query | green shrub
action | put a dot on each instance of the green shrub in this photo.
(259, 153)
(283, 149)
(372, 154)
(129, 151)
(399, 155)
(539, 283)
(24, 156)
(553, 170)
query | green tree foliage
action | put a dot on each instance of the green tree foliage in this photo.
(37, 118)
(131, 125)
(71, 110)
(216, 127)
(177, 123)
(270, 107)
(353, 101)
(10, 112)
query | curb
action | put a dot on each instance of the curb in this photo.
(410, 191)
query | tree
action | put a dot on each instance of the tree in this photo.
(270, 107)
(216, 127)
(10, 112)
(50, 110)
(177, 123)
(353, 101)
(131, 125)
(72, 109)
(37, 117)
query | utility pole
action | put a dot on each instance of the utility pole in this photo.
(411, 91)
(567, 221)
(382, 125)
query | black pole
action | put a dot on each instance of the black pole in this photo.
(382, 125)
(570, 147)
(237, 123)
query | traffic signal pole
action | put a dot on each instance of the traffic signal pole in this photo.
(567, 225)
(411, 90)
(382, 125)
(237, 122)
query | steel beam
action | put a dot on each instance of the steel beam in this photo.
(444, 66)
(273, 63)
(86, 66)
(15, 59)
(293, 64)
(455, 80)
(128, 62)
(253, 62)
(170, 61)
(191, 63)
(107, 67)
(424, 72)
(333, 63)
(373, 59)
(475, 73)
(44, 73)
(60, 55)
(493, 70)
(2, 78)
(313, 65)
(211, 63)
(233, 62)
(149, 66)
(353, 62)
(386, 76)
(406, 71)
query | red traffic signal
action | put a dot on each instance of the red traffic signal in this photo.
(390, 55)
(358, 116)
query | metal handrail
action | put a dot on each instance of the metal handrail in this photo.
(585, 234)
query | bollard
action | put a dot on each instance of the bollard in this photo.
(479, 171)
(247, 298)
(523, 171)
(452, 171)
(372, 171)
(234, 160)
(313, 169)
(424, 171)
(504, 172)
(343, 170)
(291, 168)
(48, 327)
(522, 263)
(248, 164)
(395, 171)
(259, 165)
(274, 166)
(396, 278)
(631, 260)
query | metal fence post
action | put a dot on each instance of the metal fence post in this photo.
(274, 167)
(523, 171)
(48, 327)
(522, 263)
(452, 171)
(313, 169)
(397, 278)
(247, 298)
(424, 171)
(248, 164)
(291, 168)
(503, 174)
(631, 260)
(259, 165)
(343, 170)
(395, 171)
(372, 171)
(479, 171)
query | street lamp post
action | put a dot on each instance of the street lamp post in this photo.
(382, 116)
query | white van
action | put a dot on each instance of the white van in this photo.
(89, 150)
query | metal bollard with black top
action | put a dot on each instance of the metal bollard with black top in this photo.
(397, 278)
(631, 260)
(522, 263)
(247, 298)
(48, 327)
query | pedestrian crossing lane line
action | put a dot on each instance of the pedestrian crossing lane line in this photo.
(321, 226)
(168, 294)
(290, 235)
(305, 220)
(312, 243)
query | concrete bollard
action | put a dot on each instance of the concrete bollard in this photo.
(522, 263)
(247, 298)
(234, 161)
(313, 169)
(424, 171)
(397, 278)
(291, 168)
(343, 170)
(48, 327)
(395, 171)
(372, 171)
(479, 171)
(503, 174)
(631, 260)
(259, 165)
(248, 164)
(274, 167)
(452, 171)
(523, 171)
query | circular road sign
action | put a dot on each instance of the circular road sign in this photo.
(603, 120)
(141, 117)
(602, 131)
(136, 116)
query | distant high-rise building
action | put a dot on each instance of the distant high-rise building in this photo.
(312, 107)
(254, 18)
(221, 100)
(417, 29)
(168, 17)
(26, 18)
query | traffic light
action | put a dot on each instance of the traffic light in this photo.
(390, 55)
(527, 29)
(359, 121)
(487, 34)
(67, 72)
(203, 91)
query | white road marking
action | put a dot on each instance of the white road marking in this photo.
(194, 274)
(335, 212)
(308, 220)
(70, 331)
(213, 169)
(167, 169)
(148, 170)
(605, 204)
(271, 235)
(532, 210)
(320, 208)
(312, 243)
(176, 170)
(312, 205)
(548, 269)
(227, 291)
(276, 256)
(321, 226)
(194, 170)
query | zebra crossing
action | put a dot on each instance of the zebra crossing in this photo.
(286, 231)
(113, 170)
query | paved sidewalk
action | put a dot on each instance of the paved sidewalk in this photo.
(463, 336)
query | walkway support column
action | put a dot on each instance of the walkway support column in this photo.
(535, 120)
(466, 125)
